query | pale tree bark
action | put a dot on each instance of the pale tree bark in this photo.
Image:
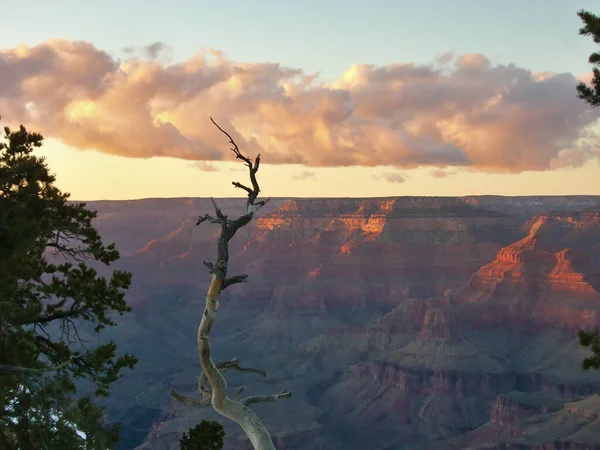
(212, 385)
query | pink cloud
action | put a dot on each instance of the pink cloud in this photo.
(473, 61)
(459, 111)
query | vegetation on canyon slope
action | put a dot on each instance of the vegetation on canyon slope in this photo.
(207, 435)
(49, 300)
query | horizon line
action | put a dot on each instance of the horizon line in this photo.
(342, 197)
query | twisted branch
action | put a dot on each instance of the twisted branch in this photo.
(266, 398)
(204, 401)
(211, 382)
(205, 389)
(255, 190)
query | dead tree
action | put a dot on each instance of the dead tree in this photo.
(211, 383)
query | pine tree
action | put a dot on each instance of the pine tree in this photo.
(591, 28)
(49, 297)
(207, 435)
(591, 339)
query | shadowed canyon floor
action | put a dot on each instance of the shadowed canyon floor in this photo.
(406, 322)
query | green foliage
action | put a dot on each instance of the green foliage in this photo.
(591, 340)
(591, 94)
(48, 292)
(207, 435)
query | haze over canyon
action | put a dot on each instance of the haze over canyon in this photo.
(405, 322)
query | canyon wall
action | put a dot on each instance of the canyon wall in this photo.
(399, 322)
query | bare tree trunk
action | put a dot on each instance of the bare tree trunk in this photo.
(212, 385)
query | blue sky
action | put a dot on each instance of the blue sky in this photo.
(326, 37)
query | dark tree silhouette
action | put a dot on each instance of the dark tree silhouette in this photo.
(591, 94)
(591, 340)
(207, 435)
(47, 295)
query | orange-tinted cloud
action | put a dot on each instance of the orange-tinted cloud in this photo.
(458, 111)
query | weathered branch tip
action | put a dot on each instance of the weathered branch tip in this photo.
(211, 383)
(266, 398)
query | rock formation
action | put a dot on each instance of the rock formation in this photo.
(413, 321)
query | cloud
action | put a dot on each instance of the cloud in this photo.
(586, 77)
(204, 166)
(155, 51)
(440, 173)
(391, 177)
(303, 175)
(445, 57)
(460, 110)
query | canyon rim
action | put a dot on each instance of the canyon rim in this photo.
(407, 322)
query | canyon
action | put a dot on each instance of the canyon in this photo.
(403, 322)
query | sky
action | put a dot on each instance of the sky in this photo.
(351, 99)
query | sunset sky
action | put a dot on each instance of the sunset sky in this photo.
(341, 98)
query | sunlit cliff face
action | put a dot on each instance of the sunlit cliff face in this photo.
(403, 247)
(363, 221)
